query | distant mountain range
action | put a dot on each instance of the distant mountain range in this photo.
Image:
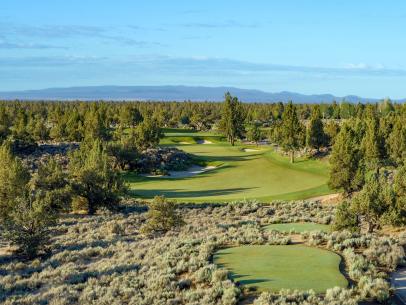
(174, 93)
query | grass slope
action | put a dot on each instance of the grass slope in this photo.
(276, 267)
(298, 227)
(262, 174)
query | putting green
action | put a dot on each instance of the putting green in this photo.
(262, 174)
(298, 227)
(272, 268)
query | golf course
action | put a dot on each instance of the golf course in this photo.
(236, 172)
(272, 268)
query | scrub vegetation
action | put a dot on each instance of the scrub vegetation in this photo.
(80, 223)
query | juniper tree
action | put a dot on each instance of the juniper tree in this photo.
(347, 171)
(346, 218)
(397, 141)
(372, 144)
(315, 136)
(28, 224)
(162, 216)
(291, 131)
(254, 134)
(331, 130)
(26, 213)
(232, 119)
(397, 213)
(129, 116)
(51, 178)
(93, 179)
(13, 179)
(4, 125)
(148, 133)
(373, 201)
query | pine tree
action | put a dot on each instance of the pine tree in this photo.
(346, 171)
(232, 120)
(291, 131)
(315, 137)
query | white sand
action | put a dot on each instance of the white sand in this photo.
(184, 143)
(250, 149)
(204, 142)
(191, 171)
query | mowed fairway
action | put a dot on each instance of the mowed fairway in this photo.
(273, 268)
(298, 227)
(263, 175)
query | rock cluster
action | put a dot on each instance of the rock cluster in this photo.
(161, 160)
(58, 151)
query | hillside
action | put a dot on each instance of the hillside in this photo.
(174, 93)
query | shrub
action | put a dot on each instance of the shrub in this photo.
(28, 224)
(162, 216)
(92, 177)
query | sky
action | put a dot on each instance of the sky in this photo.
(306, 46)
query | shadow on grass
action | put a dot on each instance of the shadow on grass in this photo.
(181, 193)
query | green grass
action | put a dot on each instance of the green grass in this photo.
(263, 175)
(272, 268)
(298, 227)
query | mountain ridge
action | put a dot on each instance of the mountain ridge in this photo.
(175, 93)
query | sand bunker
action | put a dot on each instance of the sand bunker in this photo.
(185, 143)
(204, 142)
(250, 149)
(191, 171)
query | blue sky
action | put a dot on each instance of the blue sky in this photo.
(308, 46)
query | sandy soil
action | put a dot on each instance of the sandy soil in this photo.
(204, 142)
(192, 171)
(250, 149)
(327, 199)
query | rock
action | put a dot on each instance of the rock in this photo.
(161, 160)
(58, 151)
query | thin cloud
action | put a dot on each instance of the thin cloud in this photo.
(214, 25)
(198, 65)
(14, 45)
(201, 64)
(106, 34)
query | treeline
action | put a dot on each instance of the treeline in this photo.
(73, 121)
(368, 162)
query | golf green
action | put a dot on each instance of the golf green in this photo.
(298, 227)
(255, 173)
(272, 268)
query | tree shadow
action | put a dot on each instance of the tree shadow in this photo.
(182, 193)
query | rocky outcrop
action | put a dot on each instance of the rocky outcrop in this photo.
(58, 151)
(161, 160)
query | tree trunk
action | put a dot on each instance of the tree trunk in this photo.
(292, 156)
(232, 141)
